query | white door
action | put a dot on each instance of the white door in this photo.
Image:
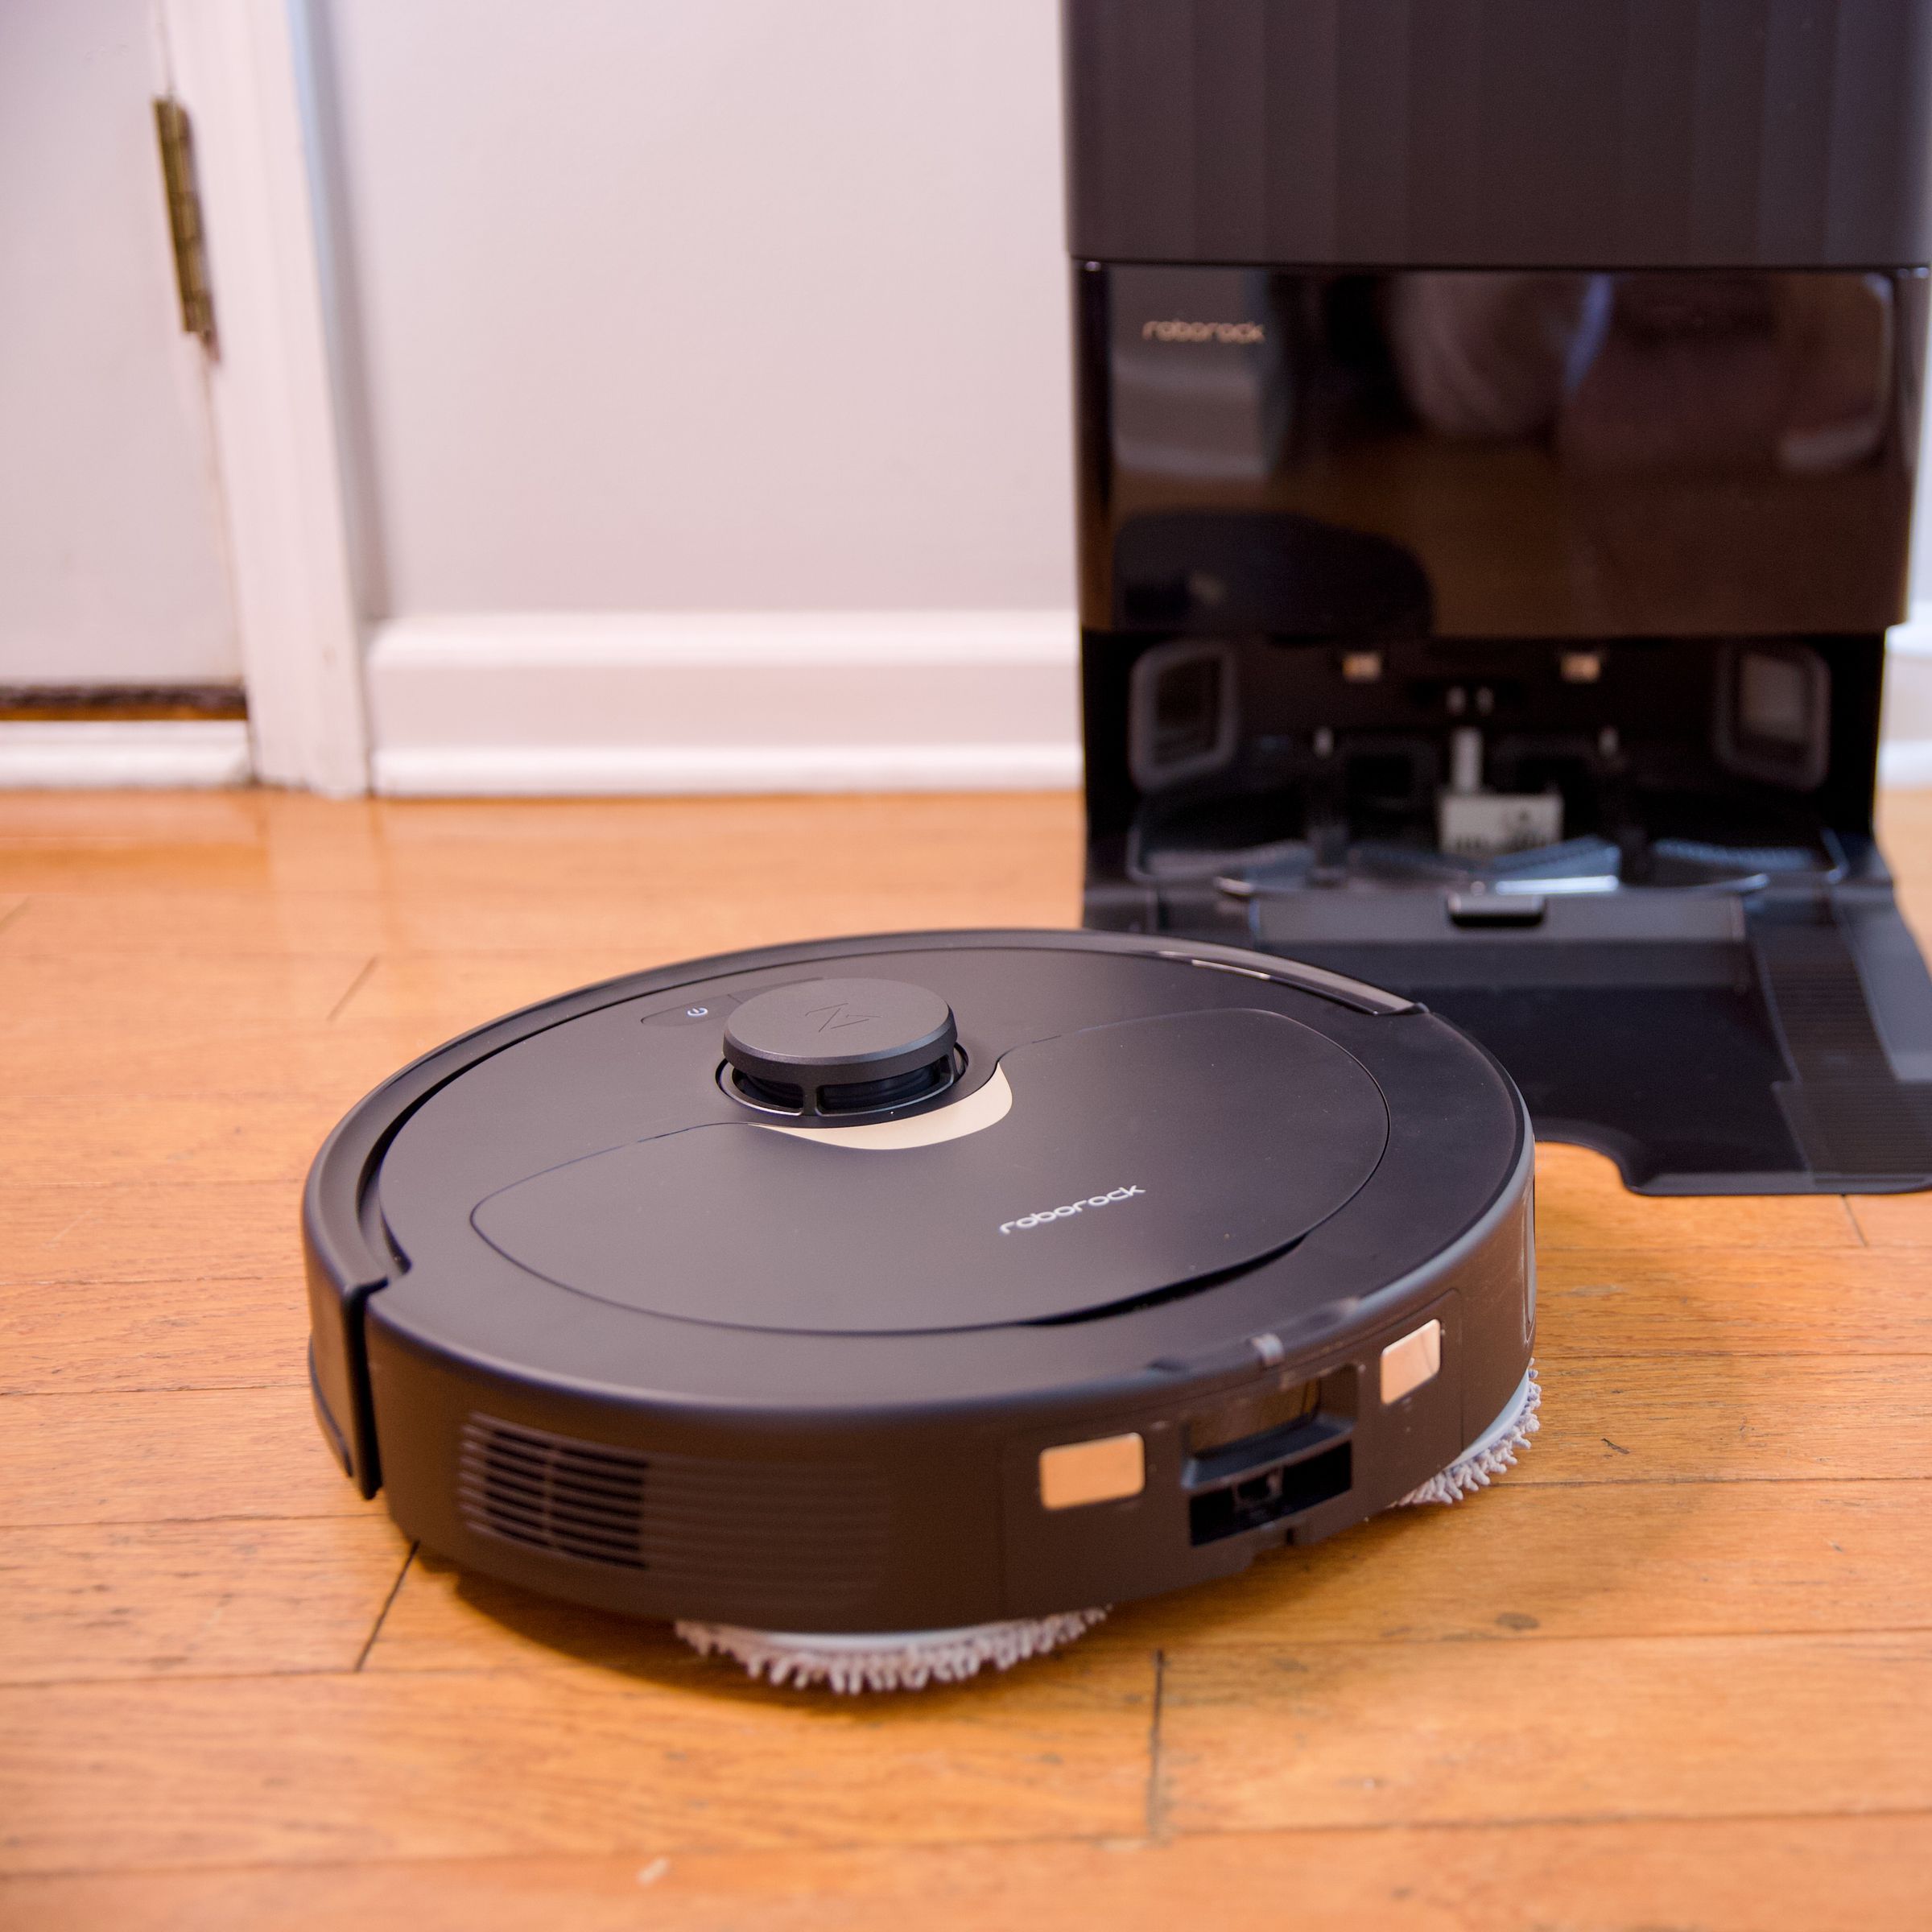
(112, 572)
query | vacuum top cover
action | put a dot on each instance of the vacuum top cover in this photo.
(1115, 1161)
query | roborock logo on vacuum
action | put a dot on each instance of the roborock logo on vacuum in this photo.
(1061, 1213)
(1178, 331)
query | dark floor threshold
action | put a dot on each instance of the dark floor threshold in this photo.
(113, 704)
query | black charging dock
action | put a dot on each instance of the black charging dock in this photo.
(1498, 432)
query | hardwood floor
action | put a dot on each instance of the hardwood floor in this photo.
(1675, 1670)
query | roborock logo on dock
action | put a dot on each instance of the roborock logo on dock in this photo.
(1177, 331)
(1060, 1214)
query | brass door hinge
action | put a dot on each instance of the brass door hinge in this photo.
(184, 220)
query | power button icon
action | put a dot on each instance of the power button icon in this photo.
(694, 1015)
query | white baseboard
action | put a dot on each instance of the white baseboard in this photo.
(726, 702)
(1905, 754)
(146, 752)
(1906, 767)
(548, 771)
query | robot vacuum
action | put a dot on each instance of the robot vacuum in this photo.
(875, 1310)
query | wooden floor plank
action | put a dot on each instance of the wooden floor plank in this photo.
(242, 1331)
(1725, 1419)
(336, 1064)
(139, 922)
(132, 1138)
(977, 857)
(194, 1599)
(1761, 1300)
(687, 1757)
(1824, 1875)
(184, 1229)
(1267, 1736)
(173, 1456)
(651, 930)
(69, 993)
(150, 820)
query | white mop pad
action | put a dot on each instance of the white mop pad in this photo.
(1493, 1452)
(889, 1661)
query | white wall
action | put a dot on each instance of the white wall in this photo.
(111, 570)
(671, 305)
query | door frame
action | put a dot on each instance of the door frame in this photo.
(244, 71)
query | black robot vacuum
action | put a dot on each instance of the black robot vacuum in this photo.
(879, 1309)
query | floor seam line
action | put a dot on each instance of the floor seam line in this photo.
(1153, 1814)
(1851, 1215)
(409, 1557)
(355, 986)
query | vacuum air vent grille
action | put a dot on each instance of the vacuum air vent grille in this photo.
(814, 1533)
(576, 1498)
